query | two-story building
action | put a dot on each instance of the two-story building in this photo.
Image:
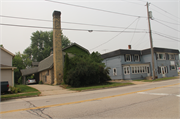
(7, 70)
(137, 64)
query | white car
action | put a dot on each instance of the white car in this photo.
(30, 81)
(178, 69)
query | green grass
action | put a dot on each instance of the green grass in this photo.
(107, 85)
(26, 91)
(25, 88)
(160, 79)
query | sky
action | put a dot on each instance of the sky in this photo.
(127, 18)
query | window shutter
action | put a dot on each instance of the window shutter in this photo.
(175, 57)
(125, 57)
(158, 70)
(170, 67)
(167, 56)
(156, 56)
(139, 57)
(133, 58)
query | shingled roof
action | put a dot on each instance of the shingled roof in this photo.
(29, 71)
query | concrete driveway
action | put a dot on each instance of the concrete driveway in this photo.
(50, 89)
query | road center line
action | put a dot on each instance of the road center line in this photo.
(157, 93)
(55, 105)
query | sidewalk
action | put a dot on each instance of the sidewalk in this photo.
(50, 89)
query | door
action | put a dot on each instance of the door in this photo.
(148, 72)
(163, 71)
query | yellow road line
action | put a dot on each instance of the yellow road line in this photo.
(55, 105)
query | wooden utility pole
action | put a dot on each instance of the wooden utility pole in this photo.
(150, 36)
(57, 48)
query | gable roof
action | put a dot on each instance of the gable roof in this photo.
(46, 63)
(5, 50)
(75, 44)
(29, 71)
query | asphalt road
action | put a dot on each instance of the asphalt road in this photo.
(155, 100)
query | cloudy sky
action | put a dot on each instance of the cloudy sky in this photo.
(115, 23)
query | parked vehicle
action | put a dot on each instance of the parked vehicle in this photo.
(178, 69)
(4, 86)
(30, 81)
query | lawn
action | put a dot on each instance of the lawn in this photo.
(26, 91)
(160, 79)
(107, 85)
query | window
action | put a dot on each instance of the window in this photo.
(140, 71)
(126, 70)
(136, 58)
(114, 71)
(161, 56)
(148, 70)
(172, 67)
(47, 73)
(171, 56)
(135, 69)
(143, 69)
(132, 69)
(128, 57)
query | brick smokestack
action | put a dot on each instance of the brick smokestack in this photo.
(129, 46)
(57, 48)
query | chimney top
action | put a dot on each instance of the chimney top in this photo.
(56, 13)
(129, 46)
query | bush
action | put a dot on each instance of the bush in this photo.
(14, 89)
(86, 70)
(40, 82)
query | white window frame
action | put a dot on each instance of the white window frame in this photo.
(126, 70)
(133, 69)
(137, 58)
(114, 73)
(142, 69)
(170, 56)
(129, 58)
(164, 56)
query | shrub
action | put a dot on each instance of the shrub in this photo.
(14, 89)
(87, 70)
(66, 68)
(40, 82)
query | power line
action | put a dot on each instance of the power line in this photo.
(167, 21)
(133, 2)
(134, 31)
(141, 39)
(14, 17)
(164, 15)
(165, 11)
(96, 9)
(114, 36)
(167, 37)
(166, 25)
(165, 34)
(69, 28)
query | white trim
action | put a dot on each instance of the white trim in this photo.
(138, 58)
(127, 70)
(114, 73)
(126, 58)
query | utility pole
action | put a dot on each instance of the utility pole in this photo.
(150, 36)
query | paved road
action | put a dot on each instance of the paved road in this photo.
(146, 101)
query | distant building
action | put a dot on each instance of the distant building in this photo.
(137, 64)
(44, 70)
(7, 70)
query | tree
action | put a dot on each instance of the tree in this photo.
(41, 43)
(21, 61)
(66, 68)
(86, 70)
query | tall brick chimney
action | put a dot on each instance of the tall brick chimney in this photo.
(129, 46)
(57, 48)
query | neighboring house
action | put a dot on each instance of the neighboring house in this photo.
(7, 70)
(44, 70)
(137, 64)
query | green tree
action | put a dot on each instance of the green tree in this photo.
(87, 70)
(41, 43)
(66, 68)
(21, 61)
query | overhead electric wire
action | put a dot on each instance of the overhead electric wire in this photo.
(167, 26)
(165, 34)
(114, 36)
(96, 9)
(133, 2)
(164, 15)
(166, 37)
(165, 11)
(14, 17)
(166, 21)
(142, 38)
(134, 32)
(69, 28)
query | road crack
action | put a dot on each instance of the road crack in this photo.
(38, 112)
